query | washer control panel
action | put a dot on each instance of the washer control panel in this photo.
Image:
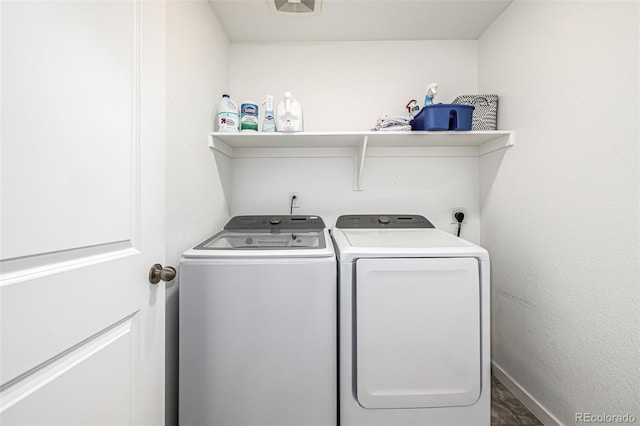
(275, 222)
(372, 221)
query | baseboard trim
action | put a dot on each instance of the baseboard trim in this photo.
(525, 397)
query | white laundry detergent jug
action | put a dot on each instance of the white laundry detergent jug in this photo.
(289, 115)
(228, 115)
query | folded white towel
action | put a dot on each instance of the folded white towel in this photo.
(393, 123)
(394, 129)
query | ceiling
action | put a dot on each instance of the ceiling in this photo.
(359, 20)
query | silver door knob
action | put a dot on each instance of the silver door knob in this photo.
(157, 273)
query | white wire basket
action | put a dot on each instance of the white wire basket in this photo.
(485, 113)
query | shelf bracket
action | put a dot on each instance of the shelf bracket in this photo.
(217, 145)
(223, 155)
(361, 155)
(503, 142)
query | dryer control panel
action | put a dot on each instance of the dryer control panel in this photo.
(373, 221)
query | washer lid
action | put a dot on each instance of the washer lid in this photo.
(261, 240)
(265, 244)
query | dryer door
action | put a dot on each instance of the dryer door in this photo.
(417, 332)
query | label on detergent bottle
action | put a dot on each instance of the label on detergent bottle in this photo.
(249, 117)
(227, 121)
(269, 123)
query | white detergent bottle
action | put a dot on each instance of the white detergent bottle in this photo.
(228, 115)
(289, 115)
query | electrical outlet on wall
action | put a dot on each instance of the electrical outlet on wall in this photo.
(294, 203)
(454, 210)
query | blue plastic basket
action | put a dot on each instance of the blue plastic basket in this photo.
(443, 117)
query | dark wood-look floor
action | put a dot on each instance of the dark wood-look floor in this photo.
(506, 410)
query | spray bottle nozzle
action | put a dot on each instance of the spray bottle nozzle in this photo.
(432, 89)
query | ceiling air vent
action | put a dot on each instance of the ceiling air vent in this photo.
(296, 6)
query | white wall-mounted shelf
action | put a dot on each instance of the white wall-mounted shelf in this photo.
(359, 145)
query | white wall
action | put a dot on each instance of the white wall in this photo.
(420, 185)
(560, 217)
(197, 75)
(347, 86)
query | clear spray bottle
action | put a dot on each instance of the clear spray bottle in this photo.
(269, 122)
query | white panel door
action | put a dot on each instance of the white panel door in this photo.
(417, 332)
(82, 199)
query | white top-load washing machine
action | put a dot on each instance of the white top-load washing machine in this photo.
(414, 324)
(258, 325)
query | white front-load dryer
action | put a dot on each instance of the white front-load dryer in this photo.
(413, 324)
(258, 325)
